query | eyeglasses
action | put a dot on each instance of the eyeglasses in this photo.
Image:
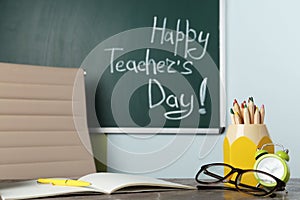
(250, 181)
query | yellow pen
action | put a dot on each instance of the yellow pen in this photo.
(64, 182)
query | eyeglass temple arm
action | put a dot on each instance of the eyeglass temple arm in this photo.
(251, 187)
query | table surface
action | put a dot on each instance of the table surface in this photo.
(293, 188)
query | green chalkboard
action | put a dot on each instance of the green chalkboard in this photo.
(144, 74)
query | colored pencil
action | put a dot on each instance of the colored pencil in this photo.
(246, 115)
(242, 109)
(237, 118)
(257, 116)
(262, 114)
(236, 108)
(232, 116)
(251, 109)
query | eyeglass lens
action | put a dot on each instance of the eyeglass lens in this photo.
(214, 173)
(257, 183)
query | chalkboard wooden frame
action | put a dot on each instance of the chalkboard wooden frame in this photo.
(182, 130)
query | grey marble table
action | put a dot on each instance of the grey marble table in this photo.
(293, 188)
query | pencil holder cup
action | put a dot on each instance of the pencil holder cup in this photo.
(241, 143)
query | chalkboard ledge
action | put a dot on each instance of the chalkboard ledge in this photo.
(134, 130)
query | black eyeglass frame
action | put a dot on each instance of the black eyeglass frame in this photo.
(280, 185)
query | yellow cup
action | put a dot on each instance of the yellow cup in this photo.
(241, 142)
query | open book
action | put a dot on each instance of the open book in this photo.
(106, 183)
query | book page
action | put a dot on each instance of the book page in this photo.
(111, 182)
(32, 189)
(106, 183)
